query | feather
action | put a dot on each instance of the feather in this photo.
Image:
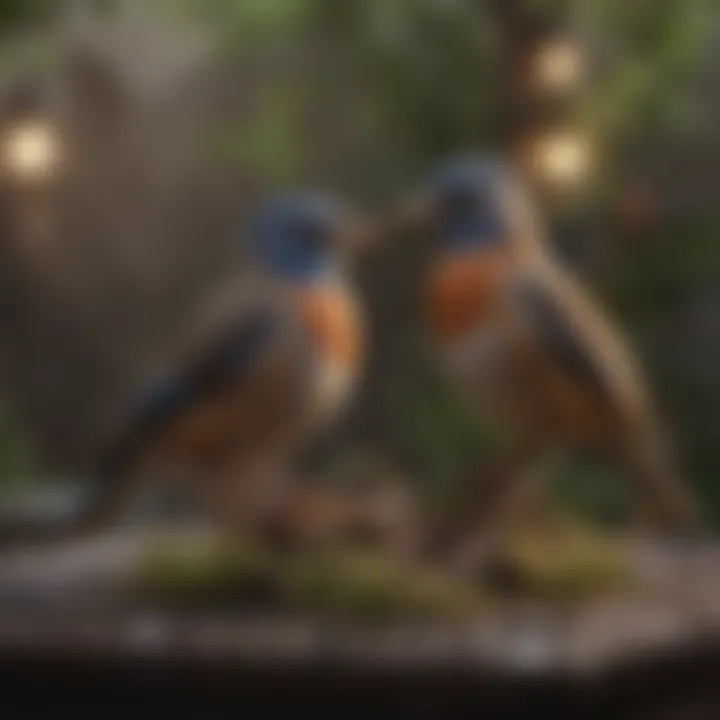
(566, 343)
(229, 360)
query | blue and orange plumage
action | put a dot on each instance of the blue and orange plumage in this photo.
(463, 292)
(274, 360)
(528, 345)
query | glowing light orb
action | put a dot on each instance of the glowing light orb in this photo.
(563, 158)
(558, 66)
(30, 151)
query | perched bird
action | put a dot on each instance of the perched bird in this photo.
(531, 348)
(274, 360)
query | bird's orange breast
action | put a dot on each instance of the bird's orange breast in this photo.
(463, 292)
(333, 322)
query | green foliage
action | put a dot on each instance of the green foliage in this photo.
(661, 271)
(429, 66)
(343, 584)
(593, 491)
(439, 430)
(430, 77)
(253, 21)
(269, 144)
(656, 48)
(17, 460)
(16, 14)
(438, 71)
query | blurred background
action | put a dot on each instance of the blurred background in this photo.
(137, 135)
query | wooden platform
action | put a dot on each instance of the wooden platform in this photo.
(64, 628)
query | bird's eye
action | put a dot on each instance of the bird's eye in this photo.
(460, 201)
(310, 237)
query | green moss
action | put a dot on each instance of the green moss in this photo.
(206, 574)
(373, 588)
(369, 588)
(331, 586)
(566, 564)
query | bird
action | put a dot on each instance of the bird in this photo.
(273, 359)
(532, 350)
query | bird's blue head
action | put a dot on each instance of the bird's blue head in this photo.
(295, 236)
(467, 200)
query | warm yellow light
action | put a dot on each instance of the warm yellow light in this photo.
(558, 66)
(563, 158)
(31, 150)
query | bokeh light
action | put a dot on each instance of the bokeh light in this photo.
(557, 66)
(562, 158)
(31, 151)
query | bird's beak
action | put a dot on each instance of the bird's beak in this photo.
(414, 213)
(362, 235)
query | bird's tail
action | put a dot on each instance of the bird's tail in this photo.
(650, 461)
(111, 490)
(118, 477)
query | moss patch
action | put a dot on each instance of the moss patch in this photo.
(338, 584)
(565, 563)
(562, 563)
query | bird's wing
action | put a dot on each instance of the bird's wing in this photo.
(231, 350)
(572, 329)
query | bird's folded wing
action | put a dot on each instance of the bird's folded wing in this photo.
(576, 335)
(238, 351)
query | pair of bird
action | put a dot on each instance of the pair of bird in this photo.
(278, 356)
